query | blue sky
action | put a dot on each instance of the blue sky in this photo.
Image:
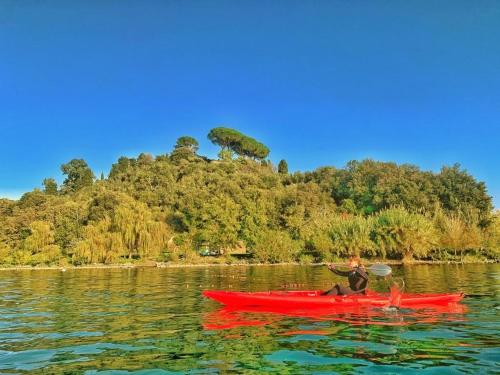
(319, 82)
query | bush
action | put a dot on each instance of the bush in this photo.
(351, 235)
(21, 257)
(402, 235)
(49, 254)
(274, 246)
(319, 245)
(491, 239)
(306, 259)
(5, 254)
(455, 235)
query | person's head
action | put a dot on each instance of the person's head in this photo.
(354, 261)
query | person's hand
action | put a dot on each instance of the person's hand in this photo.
(331, 267)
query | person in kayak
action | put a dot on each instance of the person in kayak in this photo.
(357, 278)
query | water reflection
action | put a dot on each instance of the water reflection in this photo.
(231, 317)
(154, 321)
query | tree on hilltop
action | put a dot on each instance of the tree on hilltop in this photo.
(78, 175)
(185, 147)
(50, 186)
(238, 143)
(283, 167)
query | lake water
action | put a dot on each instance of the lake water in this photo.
(155, 321)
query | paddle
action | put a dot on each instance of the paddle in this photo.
(377, 269)
(383, 270)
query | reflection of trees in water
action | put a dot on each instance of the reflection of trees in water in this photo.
(152, 318)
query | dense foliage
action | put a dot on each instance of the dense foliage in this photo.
(168, 207)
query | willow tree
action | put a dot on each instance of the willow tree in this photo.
(99, 245)
(87, 250)
(141, 235)
(40, 244)
(130, 224)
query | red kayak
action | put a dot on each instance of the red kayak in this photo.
(314, 299)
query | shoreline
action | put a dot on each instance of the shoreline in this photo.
(201, 265)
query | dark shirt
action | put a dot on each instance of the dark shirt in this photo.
(357, 277)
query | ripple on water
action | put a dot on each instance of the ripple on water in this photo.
(153, 321)
(307, 358)
(138, 372)
(26, 360)
(34, 359)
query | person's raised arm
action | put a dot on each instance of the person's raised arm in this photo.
(332, 268)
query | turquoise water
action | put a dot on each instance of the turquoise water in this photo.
(154, 321)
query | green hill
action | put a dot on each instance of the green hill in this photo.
(168, 207)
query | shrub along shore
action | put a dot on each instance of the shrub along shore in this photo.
(161, 265)
(169, 208)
